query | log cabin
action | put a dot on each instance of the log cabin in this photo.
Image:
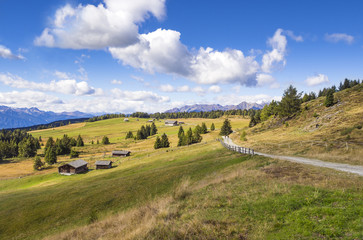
(74, 167)
(103, 164)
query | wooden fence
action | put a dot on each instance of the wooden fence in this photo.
(238, 149)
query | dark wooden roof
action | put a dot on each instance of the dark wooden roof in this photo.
(103, 163)
(121, 152)
(170, 122)
(77, 163)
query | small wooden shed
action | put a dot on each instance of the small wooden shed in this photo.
(74, 167)
(171, 123)
(126, 120)
(121, 153)
(103, 164)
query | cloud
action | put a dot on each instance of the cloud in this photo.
(293, 36)
(69, 86)
(111, 23)
(184, 88)
(267, 80)
(6, 53)
(161, 51)
(114, 81)
(138, 96)
(61, 75)
(339, 37)
(275, 57)
(167, 88)
(215, 89)
(317, 80)
(28, 99)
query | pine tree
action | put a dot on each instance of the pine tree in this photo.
(329, 100)
(165, 141)
(196, 137)
(50, 155)
(226, 128)
(157, 143)
(138, 135)
(50, 143)
(154, 130)
(212, 127)
(181, 132)
(74, 154)
(189, 137)
(37, 163)
(80, 142)
(147, 131)
(105, 140)
(204, 128)
(182, 140)
(73, 142)
(143, 132)
(290, 102)
(129, 135)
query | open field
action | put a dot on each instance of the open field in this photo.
(202, 191)
(332, 134)
(116, 130)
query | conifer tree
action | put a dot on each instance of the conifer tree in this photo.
(157, 143)
(129, 135)
(50, 155)
(182, 140)
(226, 128)
(181, 132)
(189, 137)
(196, 137)
(154, 130)
(165, 141)
(37, 163)
(50, 143)
(105, 140)
(204, 128)
(212, 127)
(329, 100)
(80, 142)
(290, 102)
(74, 154)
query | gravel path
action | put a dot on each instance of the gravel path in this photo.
(315, 162)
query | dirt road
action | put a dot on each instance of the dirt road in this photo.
(315, 162)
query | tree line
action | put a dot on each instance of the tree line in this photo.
(291, 101)
(17, 143)
(143, 133)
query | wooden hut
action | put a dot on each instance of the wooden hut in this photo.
(74, 167)
(121, 153)
(126, 120)
(103, 164)
(171, 123)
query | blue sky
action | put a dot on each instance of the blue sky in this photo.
(153, 55)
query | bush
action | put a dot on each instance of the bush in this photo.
(38, 164)
(74, 154)
(105, 140)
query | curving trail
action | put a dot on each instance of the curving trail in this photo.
(315, 162)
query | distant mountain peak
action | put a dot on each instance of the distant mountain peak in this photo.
(216, 107)
(25, 117)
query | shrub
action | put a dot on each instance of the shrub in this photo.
(38, 164)
(74, 154)
(105, 140)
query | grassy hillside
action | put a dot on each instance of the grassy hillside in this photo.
(331, 134)
(202, 191)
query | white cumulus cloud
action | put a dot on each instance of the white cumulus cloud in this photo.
(317, 80)
(6, 53)
(339, 37)
(214, 89)
(138, 96)
(116, 82)
(275, 57)
(111, 23)
(69, 86)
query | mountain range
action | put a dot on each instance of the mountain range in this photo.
(25, 117)
(215, 107)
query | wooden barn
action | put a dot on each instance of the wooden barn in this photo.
(103, 164)
(121, 153)
(171, 123)
(74, 167)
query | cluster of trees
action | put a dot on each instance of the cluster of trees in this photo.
(291, 101)
(211, 114)
(61, 146)
(17, 143)
(106, 116)
(144, 132)
(191, 136)
(162, 143)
